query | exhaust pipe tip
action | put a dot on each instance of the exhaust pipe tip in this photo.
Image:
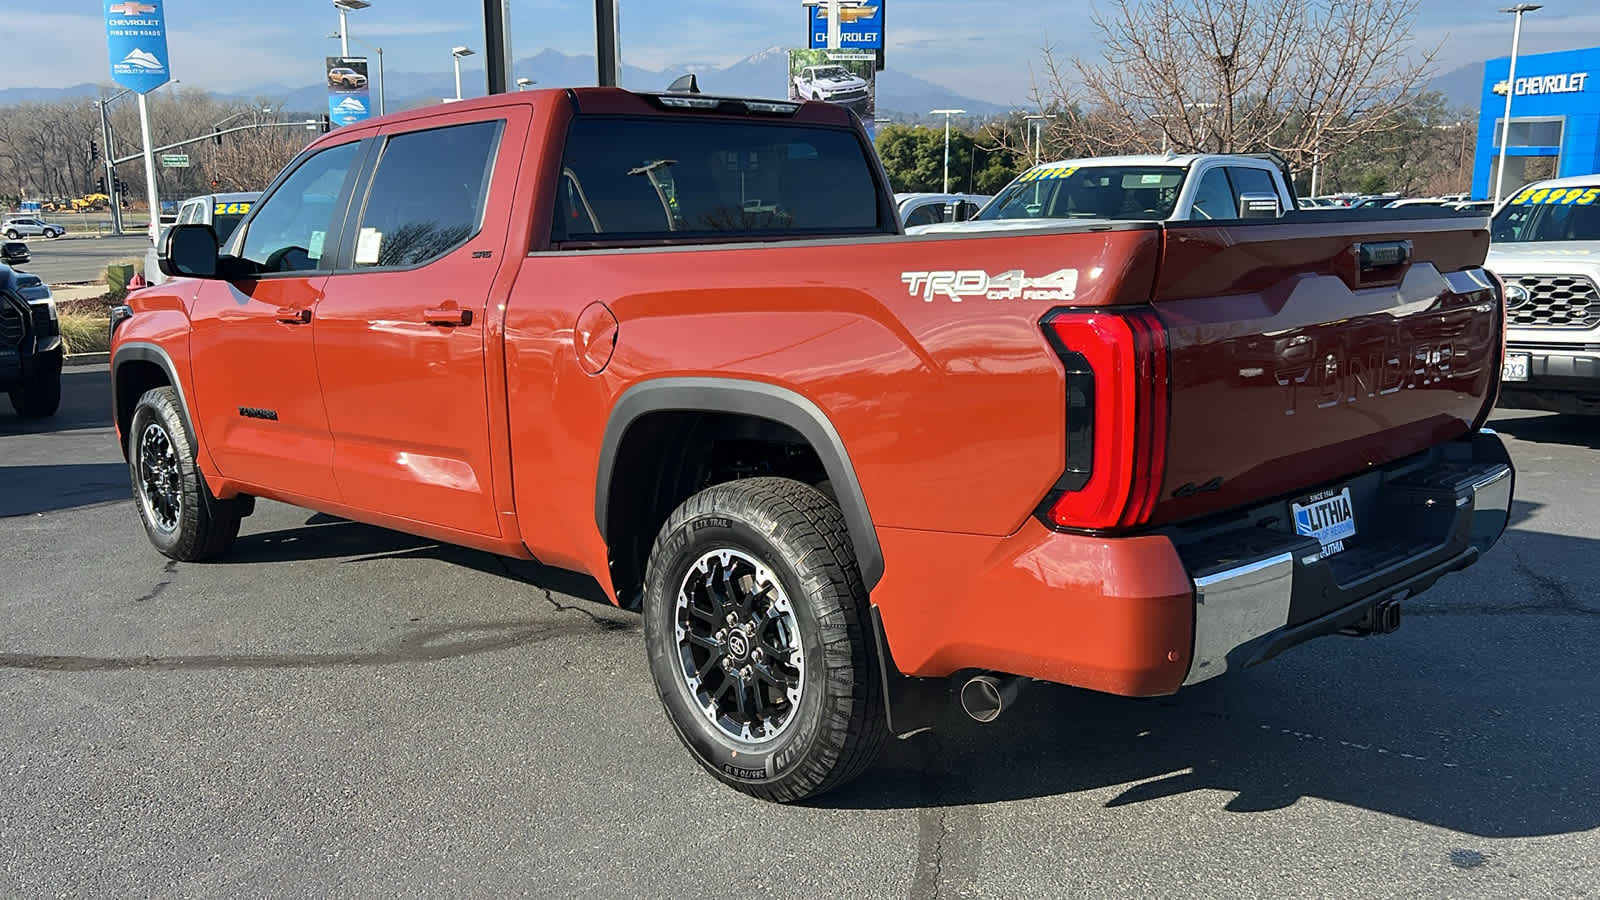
(985, 697)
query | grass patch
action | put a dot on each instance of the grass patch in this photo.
(84, 306)
(86, 334)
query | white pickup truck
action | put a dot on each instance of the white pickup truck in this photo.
(1149, 188)
(1545, 245)
(832, 83)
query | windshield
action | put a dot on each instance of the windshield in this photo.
(1550, 214)
(1089, 192)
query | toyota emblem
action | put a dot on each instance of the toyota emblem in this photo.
(1516, 295)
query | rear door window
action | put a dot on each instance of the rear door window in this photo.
(1251, 181)
(427, 195)
(700, 179)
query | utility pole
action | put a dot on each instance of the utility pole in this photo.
(606, 40)
(1511, 88)
(111, 171)
(497, 43)
(947, 113)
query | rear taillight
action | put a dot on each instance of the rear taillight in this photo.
(1116, 373)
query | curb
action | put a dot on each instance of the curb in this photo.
(87, 359)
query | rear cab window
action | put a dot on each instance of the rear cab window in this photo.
(700, 180)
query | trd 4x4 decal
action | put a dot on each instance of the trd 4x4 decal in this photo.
(965, 284)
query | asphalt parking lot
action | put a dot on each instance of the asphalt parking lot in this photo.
(338, 709)
(80, 260)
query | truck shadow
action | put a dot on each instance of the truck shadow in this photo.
(1474, 737)
(26, 490)
(1551, 428)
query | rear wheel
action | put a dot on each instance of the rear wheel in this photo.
(11, 234)
(180, 516)
(755, 623)
(40, 394)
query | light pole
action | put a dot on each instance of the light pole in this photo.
(1511, 88)
(345, 7)
(947, 113)
(1038, 120)
(455, 54)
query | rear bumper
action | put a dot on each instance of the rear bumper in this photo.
(1145, 615)
(1562, 381)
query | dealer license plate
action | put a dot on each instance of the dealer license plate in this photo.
(1516, 367)
(1329, 517)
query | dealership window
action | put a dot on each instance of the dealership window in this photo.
(1533, 132)
(428, 194)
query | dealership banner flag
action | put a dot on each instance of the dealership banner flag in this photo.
(136, 36)
(349, 99)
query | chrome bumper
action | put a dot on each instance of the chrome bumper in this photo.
(1243, 613)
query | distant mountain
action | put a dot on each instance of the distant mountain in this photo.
(761, 74)
(1461, 87)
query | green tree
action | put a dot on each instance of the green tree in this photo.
(913, 156)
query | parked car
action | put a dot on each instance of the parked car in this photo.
(221, 211)
(1415, 201)
(29, 227)
(347, 78)
(30, 344)
(14, 252)
(1475, 206)
(679, 343)
(1140, 188)
(832, 83)
(926, 209)
(1546, 246)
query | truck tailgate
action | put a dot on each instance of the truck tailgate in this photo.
(1308, 351)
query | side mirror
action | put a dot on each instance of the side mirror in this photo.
(188, 251)
(1259, 206)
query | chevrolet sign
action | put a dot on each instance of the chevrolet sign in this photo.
(1566, 83)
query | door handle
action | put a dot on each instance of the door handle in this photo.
(447, 316)
(291, 315)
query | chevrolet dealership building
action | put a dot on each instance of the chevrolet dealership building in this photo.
(1555, 119)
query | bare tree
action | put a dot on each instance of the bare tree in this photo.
(1299, 77)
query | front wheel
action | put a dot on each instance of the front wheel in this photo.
(180, 516)
(40, 394)
(756, 626)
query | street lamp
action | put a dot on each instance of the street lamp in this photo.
(345, 7)
(525, 83)
(1511, 88)
(947, 113)
(455, 54)
(1038, 121)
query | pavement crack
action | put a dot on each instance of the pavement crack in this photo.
(603, 622)
(155, 591)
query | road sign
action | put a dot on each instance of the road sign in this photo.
(136, 38)
(860, 27)
(175, 160)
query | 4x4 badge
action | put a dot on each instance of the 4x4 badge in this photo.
(973, 284)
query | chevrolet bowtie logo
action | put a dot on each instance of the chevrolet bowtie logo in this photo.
(1502, 88)
(131, 8)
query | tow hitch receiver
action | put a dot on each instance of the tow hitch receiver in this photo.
(1382, 618)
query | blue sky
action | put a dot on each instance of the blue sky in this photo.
(979, 48)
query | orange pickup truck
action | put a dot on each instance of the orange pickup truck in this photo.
(679, 343)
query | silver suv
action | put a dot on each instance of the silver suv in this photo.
(21, 227)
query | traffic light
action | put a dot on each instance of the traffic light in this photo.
(100, 185)
(215, 184)
(327, 124)
(216, 135)
(94, 151)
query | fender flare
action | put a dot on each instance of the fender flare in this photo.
(143, 351)
(751, 398)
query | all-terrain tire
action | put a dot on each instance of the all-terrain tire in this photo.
(180, 516)
(788, 545)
